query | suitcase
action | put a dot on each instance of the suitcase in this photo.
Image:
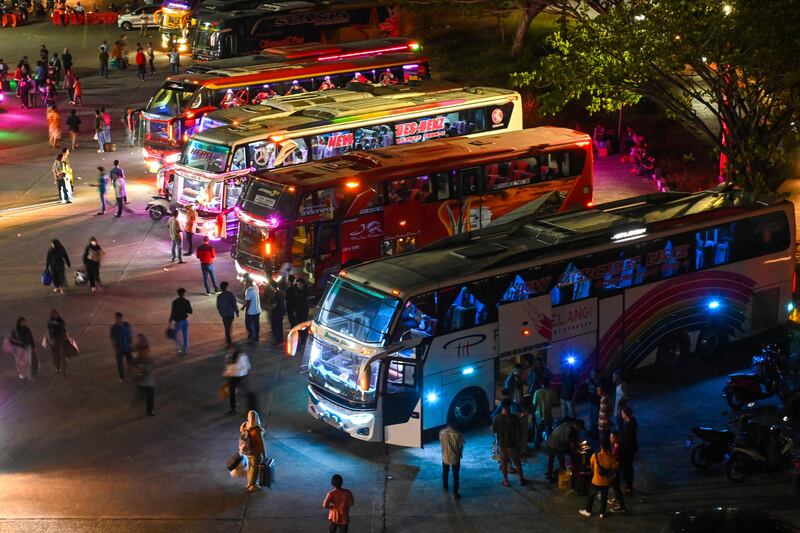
(265, 472)
(234, 461)
(564, 479)
(109, 147)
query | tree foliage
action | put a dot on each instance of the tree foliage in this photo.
(712, 65)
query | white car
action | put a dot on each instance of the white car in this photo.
(131, 20)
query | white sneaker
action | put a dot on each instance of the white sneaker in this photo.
(63, 201)
(100, 151)
(584, 512)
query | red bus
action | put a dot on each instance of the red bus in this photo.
(175, 110)
(315, 219)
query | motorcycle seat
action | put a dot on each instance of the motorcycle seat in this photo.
(747, 375)
(724, 434)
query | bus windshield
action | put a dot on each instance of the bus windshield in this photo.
(266, 200)
(171, 99)
(206, 38)
(357, 312)
(336, 370)
(205, 156)
(197, 191)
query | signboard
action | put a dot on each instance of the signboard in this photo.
(420, 130)
(525, 326)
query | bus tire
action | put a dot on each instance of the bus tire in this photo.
(467, 408)
(672, 350)
(709, 341)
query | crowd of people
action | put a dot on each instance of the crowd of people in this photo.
(633, 147)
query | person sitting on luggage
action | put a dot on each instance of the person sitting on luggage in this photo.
(264, 94)
(562, 441)
(327, 84)
(296, 88)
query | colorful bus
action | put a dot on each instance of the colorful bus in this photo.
(245, 31)
(402, 343)
(214, 164)
(313, 220)
(173, 113)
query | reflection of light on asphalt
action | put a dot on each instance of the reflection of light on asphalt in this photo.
(24, 208)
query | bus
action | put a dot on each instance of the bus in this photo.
(402, 343)
(318, 218)
(215, 163)
(219, 35)
(175, 21)
(175, 110)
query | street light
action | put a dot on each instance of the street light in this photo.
(727, 9)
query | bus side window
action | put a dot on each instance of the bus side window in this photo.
(328, 241)
(298, 155)
(461, 309)
(473, 120)
(467, 181)
(418, 318)
(239, 160)
(401, 377)
(441, 183)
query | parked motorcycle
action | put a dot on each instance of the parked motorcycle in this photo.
(766, 381)
(774, 454)
(716, 444)
(158, 207)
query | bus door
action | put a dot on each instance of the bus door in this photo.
(471, 215)
(401, 401)
(525, 326)
(327, 251)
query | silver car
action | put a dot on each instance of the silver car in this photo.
(131, 20)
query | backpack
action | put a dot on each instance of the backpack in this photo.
(603, 471)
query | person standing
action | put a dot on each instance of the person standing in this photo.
(616, 451)
(338, 501)
(620, 397)
(603, 467)
(629, 445)
(122, 340)
(188, 227)
(74, 126)
(297, 301)
(514, 385)
(151, 57)
(143, 365)
(506, 428)
(69, 85)
(57, 340)
(103, 56)
(98, 131)
(252, 309)
(251, 445)
(92, 256)
(53, 125)
(544, 400)
(174, 60)
(56, 66)
(55, 263)
(237, 366)
(128, 118)
(144, 18)
(594, 400)
(206, 255)
(227, 307)
(24, 349)
(603, 414)
(60, 178)
(77, 92)
(179, 315)
(277, 312)
(66, 59)
(452, 444)
(106, 126)
(175, 234)
(568, 392)
(118, 181)
(102, 187)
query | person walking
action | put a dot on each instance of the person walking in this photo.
(122, 340)
(618, 501)
(603, 414)
(118, 181)
(544, 400)
(629, 447)
(151, 57)
(514, 384)
(60, 179)
(92, 256)
(174, 60)
(56, 262)
(78, 92)
(56, 65)
(251, 445)
(506, 428)
(338, 501)
(604, 468)
(66, 59)
(561, 442)
(189, 226)
(452, 444)
(98, 131)
(128, 120)
(74, 127)
(277, 312)
(53, 125)
(297, 301)
(106, 125)
(57, 341)
(102, 187)
(227, 307)
(252, 309)
(237, 366)
(143, 365)
(620, 397)
(176, 235)
(206, 255)
(103, 56)
(179, 316)
(69, 85)
(23, 349)
(141, 63)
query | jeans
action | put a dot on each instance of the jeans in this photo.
(593, 494)
(251, 322)
(190, 240)
(567, 409)
(594, 413)
(152, 66)
(182, 326)
(93, 273)
(71, 93)
(626, 469)
(63, 193)
(618, 492)
(131, 137)
(149, 397)
(104, 69)
(446, 473)
(102, 202)
(121, 369)
(100, 138)
(174, 67)
(107, 134)
(208, 272)
(541, 427)
(227, 323)
(233, 384)
(177, 250)
(120, 205)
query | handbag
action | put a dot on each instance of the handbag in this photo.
(265, 472)
(47, 278)
(224, 391)
(80, 277)
(71, 347)
(95, 136)
(234, 461)
(170, 332)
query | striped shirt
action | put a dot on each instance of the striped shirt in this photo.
(604, 416)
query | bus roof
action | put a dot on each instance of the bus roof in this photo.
(429, 157)
(237, 76)
(354, 91)
(531, 238)
(339, 113)
(277, 7)
(296, 52)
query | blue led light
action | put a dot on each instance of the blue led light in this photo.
(571, 360)
(713, 304)
(468, 370)
(790, 307)
(432, 397)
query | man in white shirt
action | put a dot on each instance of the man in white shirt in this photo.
(252, 309)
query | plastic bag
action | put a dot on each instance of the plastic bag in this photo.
(241, 468)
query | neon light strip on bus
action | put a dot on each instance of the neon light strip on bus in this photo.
(369, 52)
(378, 114)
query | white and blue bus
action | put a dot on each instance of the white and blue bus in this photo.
(402, 343)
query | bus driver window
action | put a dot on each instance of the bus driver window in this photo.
(466, 311)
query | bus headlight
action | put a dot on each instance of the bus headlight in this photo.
(172, 158)
(361, 418)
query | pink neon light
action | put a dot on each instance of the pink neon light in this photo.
(365, 53)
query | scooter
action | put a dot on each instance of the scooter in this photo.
(158, 207)
(774, 455)
(765, 382)
(716, 444)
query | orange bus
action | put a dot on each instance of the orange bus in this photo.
(175, 110)
(315, 219)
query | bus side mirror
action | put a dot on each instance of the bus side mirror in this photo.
(293, 338)
(364, 376)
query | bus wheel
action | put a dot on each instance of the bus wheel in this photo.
(709, 341)
(467, 408)
(672, 350)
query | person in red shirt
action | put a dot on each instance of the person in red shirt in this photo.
(338, 502)
(206, 254)
(141, 62)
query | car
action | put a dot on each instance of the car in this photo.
(131, 20)
(727, 520)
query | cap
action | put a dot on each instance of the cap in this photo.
(295, 82)
(266, 85)
(327, 78)
(357, 74)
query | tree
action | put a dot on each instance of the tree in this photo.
(713, 66)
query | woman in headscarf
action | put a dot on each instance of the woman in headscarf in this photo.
(23, 348)
(91, 259)
(251, 445)
(57, 339)
(56, 262)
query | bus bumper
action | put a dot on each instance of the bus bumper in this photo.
(357, 424)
